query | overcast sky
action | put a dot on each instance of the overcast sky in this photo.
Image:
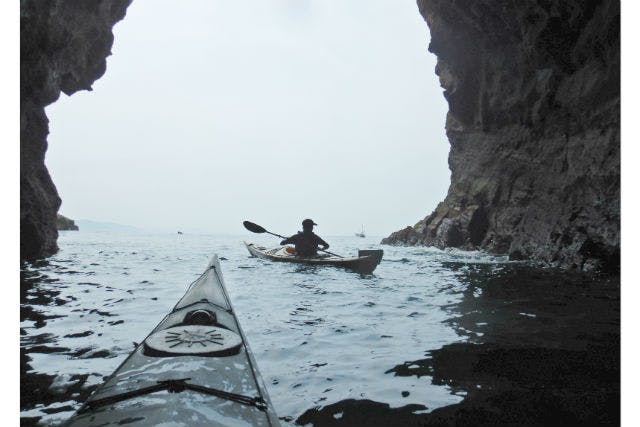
(213, 112)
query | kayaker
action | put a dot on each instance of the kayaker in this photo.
(306, 241)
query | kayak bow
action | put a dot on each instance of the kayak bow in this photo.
(195, 369)
(364, 263)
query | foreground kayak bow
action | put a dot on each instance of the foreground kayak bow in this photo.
(194, 369)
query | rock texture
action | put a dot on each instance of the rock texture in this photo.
(63, 47)
(533, 88)
(64, 223)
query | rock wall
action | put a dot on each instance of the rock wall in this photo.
(63, 47)
(533, 88)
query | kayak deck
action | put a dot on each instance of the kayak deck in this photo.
(365, 263)
(194, 369)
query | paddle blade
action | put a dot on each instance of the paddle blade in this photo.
(254, 228)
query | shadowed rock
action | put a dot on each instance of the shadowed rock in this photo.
(63, 47)
(534, 125)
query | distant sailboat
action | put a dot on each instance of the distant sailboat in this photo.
(361, 234)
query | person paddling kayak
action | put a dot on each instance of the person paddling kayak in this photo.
(306, 241)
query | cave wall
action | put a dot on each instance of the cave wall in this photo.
(63, 47)
(533, 88)
(534, 122)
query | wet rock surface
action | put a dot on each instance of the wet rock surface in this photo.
(534, 115)
(63, 47)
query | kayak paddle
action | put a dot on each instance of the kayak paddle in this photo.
(255, 228)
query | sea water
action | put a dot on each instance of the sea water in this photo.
(320, 335)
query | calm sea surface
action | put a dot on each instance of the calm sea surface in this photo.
(319, 335)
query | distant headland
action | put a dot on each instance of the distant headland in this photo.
(64, 223)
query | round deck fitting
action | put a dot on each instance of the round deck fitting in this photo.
(193, 339)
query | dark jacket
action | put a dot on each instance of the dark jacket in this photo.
(306, 243)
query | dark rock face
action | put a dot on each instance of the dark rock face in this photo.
(534, 124)
(64, 223)
(63, 47)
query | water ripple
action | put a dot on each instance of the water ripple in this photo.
(320, 335)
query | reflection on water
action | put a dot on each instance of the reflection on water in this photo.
(540, 348)
(432, 338)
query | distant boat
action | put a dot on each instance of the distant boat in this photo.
(180, 232)
(361, 234)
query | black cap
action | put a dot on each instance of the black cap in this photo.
(308, 222)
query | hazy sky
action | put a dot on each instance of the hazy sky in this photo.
(213, 112)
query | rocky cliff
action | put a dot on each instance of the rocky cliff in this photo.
(533, 88)
(63, 47)
(534, 95)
